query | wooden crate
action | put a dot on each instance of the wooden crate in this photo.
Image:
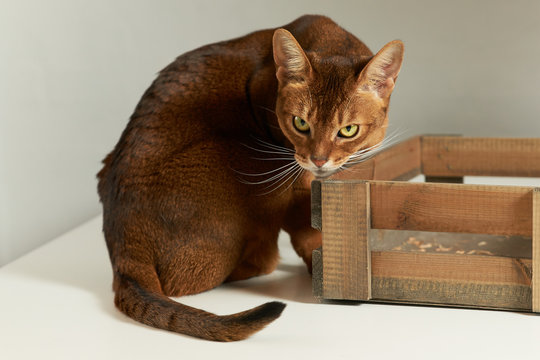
(439, 242)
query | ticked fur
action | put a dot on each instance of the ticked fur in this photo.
(210, 166)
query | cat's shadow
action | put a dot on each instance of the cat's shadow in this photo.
(84, 265)
(289, 282)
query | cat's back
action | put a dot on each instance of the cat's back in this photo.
(204, 94)
(228, 65)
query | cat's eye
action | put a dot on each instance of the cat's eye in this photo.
(348, 131)
(300, 124)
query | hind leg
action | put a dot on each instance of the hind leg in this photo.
(258, 258)
(194, 269)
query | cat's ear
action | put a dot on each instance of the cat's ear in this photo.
(292, 63)
(380, 74)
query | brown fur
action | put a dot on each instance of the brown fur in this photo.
(177, 217)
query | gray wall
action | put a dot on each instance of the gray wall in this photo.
(72, 71)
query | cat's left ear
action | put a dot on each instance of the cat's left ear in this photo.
(380, 74)
(292, 64)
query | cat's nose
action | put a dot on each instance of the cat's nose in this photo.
(319, 161)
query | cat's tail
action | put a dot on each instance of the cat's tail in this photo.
(159, 311)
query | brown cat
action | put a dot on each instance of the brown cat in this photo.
(218, 157)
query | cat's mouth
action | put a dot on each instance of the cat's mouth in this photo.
(323, 174)
(320, 172)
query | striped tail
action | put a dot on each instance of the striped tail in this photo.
(158, 311)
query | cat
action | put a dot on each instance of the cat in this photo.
(218, 157)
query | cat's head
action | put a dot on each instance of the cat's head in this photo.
(333, 109)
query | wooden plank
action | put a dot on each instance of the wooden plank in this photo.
(477, 209)
(399, 162)
(346, 261)
(362, 171)
(453, 156)
(445, 179)
(451, 243)
(452, 294)
(316, 214)
(536, 251)
(463, 280)
(446, 280)
(464, 268)
(317, 273)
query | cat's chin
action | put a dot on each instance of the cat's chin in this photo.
(323, 174)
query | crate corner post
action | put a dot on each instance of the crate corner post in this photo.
(536, 251)
(347, 259)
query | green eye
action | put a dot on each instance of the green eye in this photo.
(300, 124)
(348, 131)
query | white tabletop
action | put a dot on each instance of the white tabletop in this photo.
(57, 303)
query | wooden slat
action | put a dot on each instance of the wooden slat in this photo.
(464, 268)
(463, 280)
(346, 262)
(452, 156)
(399, 162)
(477, 209)
(452, 294)
(317, 273)
(316, 215)
(445, 179)
(536, 250)
(451, 243)
(362, 171)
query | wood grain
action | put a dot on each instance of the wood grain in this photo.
(451, 243)
(477, 209)
(317, 273)
(451, 156)
(445, 179)
(399, 162)
(536, 251)
(464, 280)
(316, 212)
(347, 211)
(452, 294)
(464, 268)
(346, 261)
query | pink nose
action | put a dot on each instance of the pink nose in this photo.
(319, 161)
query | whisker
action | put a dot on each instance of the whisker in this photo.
(361, 152)
(264, 173)
(273, 146)
(297, 170)
(368, 153)
(266, 151)
(292, 182)
(264, 159)
(275, 177)
(387, 141)
(284, 175)
(267, 109)
(355, 167)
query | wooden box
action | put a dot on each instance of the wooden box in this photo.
(439, 242)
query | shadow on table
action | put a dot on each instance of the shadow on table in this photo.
(287, 282)
(84, 264)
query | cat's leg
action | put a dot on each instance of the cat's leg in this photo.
(218, 236)
(297, 223)
(260, 253)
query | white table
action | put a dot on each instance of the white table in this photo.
(57, 303)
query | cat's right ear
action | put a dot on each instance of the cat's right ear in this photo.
(292, 64)
(380, 74)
